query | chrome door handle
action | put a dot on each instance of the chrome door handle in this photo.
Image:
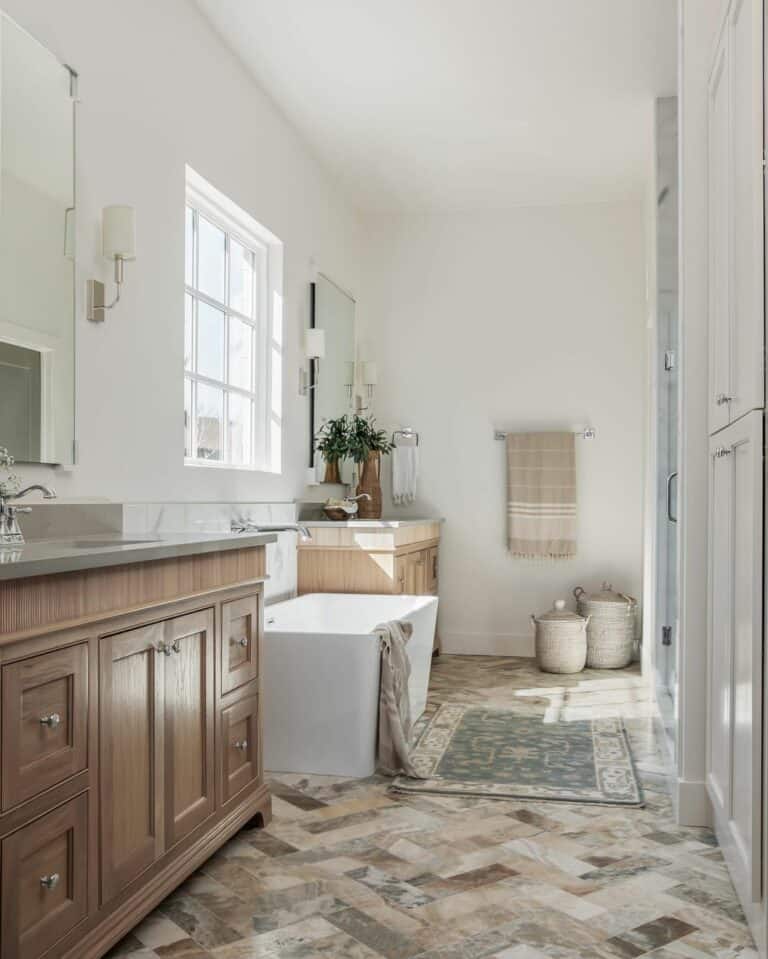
(670, 479)
(50, 882)
(51, 721)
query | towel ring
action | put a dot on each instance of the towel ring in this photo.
(408, 433)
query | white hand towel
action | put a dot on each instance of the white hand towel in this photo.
(405, 474)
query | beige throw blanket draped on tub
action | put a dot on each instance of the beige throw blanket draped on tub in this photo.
(541, 495)
(395, 724)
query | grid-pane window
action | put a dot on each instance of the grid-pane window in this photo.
(230, 326)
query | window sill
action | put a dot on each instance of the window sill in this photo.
(213, 464)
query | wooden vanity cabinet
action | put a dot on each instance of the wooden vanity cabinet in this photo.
(154, 760)
(377, 559)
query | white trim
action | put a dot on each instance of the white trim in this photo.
(692, 803)
(265, 322)
(487, 644)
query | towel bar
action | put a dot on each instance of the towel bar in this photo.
(586, 434)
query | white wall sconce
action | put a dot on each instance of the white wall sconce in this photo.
(314, 350)
(118, 243)
(370, 378)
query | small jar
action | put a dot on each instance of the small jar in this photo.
(561, 640)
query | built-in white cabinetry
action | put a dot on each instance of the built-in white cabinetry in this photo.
(736, 218)
(735, 647)
(736, 275)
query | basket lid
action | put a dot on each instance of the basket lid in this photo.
(606, 594)
(560, 614)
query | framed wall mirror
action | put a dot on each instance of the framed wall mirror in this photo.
(333, 310)
(37, 268)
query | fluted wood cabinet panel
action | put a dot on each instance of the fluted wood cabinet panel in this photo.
(43, 601)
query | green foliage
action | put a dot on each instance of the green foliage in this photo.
(332, 439)
(363, 438)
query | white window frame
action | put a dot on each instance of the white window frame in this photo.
(266, 322)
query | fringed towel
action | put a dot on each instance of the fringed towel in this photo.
(541, 495)
(394, 754)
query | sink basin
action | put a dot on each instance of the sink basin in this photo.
(99, 543)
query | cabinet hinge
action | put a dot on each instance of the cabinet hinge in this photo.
(74, 451)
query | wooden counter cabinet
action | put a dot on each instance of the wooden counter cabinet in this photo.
(131, 741)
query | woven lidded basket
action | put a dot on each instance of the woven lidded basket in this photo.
(561, 640)
(611, 631)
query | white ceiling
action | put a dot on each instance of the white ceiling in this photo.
(464, 104)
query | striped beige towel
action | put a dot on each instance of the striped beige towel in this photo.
(541, 495)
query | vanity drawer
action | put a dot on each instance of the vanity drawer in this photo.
(45, 721)
(44, 873)
(239, 746)
(240, 624)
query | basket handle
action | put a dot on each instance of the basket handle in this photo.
(578, 592)
(630, 599)
(533, 620)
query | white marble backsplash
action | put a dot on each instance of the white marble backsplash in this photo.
(159, 518)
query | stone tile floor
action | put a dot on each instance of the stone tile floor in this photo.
(347, 870)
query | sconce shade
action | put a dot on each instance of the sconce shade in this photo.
(314, 344)
(118, 232)
(370, 373)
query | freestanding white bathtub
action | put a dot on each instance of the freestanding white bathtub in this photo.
(321, 678)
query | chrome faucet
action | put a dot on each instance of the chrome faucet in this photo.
(10, 531)
(247, 526)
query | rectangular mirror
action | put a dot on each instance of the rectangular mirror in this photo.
(333, 310)
(37, 269)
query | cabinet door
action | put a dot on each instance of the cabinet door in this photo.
(240, 628)
(736, 218)
(719, 238)
(416, 573)
(736, 661)
(44, 722)
(132, 667)
(745, 39)
(189, 723)
(45, 880)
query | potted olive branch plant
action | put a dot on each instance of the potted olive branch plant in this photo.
(365, 445)
(332, 441)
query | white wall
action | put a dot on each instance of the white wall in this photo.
(160, 90)
(528, 319)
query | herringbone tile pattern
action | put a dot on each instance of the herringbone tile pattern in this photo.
(348, 870)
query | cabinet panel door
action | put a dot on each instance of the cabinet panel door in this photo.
(720, 634)
(131, 754)
(240, 746)
(45, 880)
(240, 628)
(719, 239)
(44, 722)
(189, 723)
(745, 37)
(416, 574)
(736, 658)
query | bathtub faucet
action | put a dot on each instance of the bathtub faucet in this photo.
(247, 526)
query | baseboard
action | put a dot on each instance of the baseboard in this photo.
(486, 644)
(692, 805)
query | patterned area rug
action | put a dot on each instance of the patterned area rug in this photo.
(472, 751)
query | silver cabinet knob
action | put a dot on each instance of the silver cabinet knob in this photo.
(722, 398)
(241, 744)
(176, 647)
(50, 882)
(243, 641)
(51, 721)
(164, 648)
